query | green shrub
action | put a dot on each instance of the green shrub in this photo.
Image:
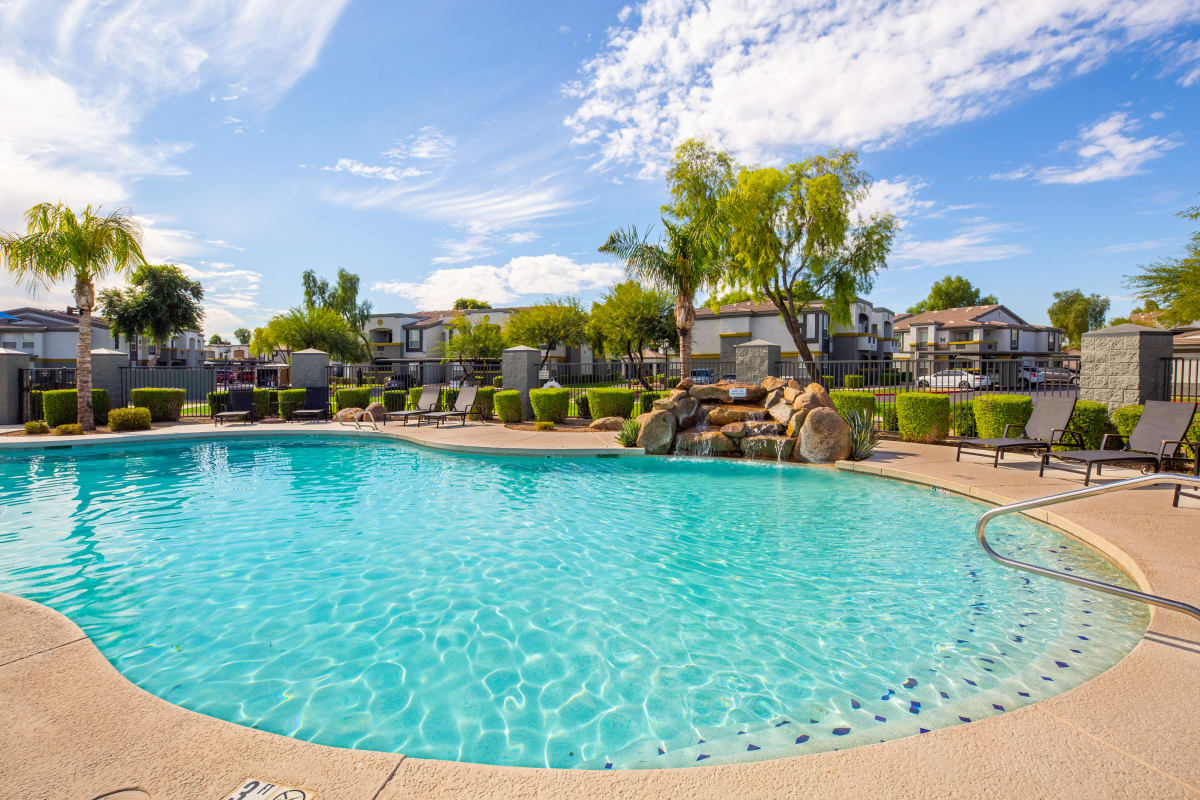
(129, 419)
(888, 420)
(498, 382)
(847, 403)
(994, 411)
(70, 429)
(289, 400)
(446, 398)
(922, 416)
(352, 398)
(543, 425)
(962, 419)
(60, 407)
(583, 408)
(165, 404)
(613, 402)
(628, 435)
(863, 436)
(35, 403)
(485, 402)
(1091, 420)
(852, 381)
(828, 381)
(35, 427)
(414, 396)
(395, 399)
(549, 405)
(646, 403)
(265, 402)
(1126, 418)
(508, 405)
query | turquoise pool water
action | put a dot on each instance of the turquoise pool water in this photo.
(594, 613)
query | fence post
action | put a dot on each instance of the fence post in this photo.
(310, 368)
(1123, 365)
(754, 360)
(106, 374)
(520, 371)
(11, 364)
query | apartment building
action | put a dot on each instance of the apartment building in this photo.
(974, 333)
(52, 338)
(867, 337)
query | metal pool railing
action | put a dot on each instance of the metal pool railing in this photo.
(1091, 491)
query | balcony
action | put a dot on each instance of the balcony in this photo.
(973, 347)
(863, 341)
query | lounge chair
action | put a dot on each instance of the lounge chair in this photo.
(425, 403)
(463, 405)
(1047, 426)
(1157, 436)
(316, 404)
(239, 405)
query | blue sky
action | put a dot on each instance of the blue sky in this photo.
(487, 149)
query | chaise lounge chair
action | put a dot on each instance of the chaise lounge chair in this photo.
(426, 403)
(239, 405)
(1048, 421)
(316, 404)
(1157, 436)
(463, 405)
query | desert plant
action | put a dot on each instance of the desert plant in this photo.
(627, 436)
(863, 437)
(549, 405)
(543, 425)
(129, 419)
(34, 427)
(165, 404)
(994, 411)
(508, 405)
(923, 416)
(610, 402)
(72, 429)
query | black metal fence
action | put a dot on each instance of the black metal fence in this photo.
(31, 381)
(199, 382)
(1182, 378)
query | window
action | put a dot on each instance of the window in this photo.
(1014, 339)
(413, 341)
(810, 321)
(960, 336)
(923, 335)
(1053, 348)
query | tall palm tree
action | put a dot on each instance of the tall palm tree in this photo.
(63, 246)
(682, 262)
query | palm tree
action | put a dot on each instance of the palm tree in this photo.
(63, 246)
(681, 263)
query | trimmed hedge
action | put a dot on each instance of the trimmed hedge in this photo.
(549, 405)
(129, 419)
(962, 419)
(289, 400)
(396, 399)
(543, 425)
(485, 402)
(1092, 421)
(446, 399)
(852, 381)
(265, 402)
(1126, 419)
(646, 404)
(70, 429)
(165, 404)
(611, 402)
(352, 398)
(61, 407)
(888, 420)
(923, 417)
(847, 403)
(508, 405)
(994, 411)
(35, 427)
(498, 382)
(414, 395)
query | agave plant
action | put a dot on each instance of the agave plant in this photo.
(863, 436)
(628, 435)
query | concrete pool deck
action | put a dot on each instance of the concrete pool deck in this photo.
(75, 728)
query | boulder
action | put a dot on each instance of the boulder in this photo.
(754, 392)
(723, 415)
(774, 396)
(768, 448)
(663, 404)
(607, 424)
(676, 394)
(657, 431)
(796, 422)
(687, 409)
(771, 384)
(738, 430)
(704, 443)
(377, 412)
(685, 384)
(711, 392)
(820, 392)
(794, 384)
(346, 415)
(790, 394)
(812, 397)
(781, 412)
(824, 437)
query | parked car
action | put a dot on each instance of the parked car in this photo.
(1060, 376)
(1030, 377)
(954, 379)
(398, 380)
(703, 376)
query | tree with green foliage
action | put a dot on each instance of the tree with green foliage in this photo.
(718, 299)
(470, 342)
(468, 303)
(307, 327)
(629, 320)
(952, 291)
(217, 338)
(242, 335)
(547, 325)
(60, 245)
(1077, 313)
(796, 236)
(159, 303)
(1173, 284)
(342, 298)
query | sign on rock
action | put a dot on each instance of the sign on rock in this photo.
(737, 393)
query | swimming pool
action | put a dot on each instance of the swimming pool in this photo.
(586, 613)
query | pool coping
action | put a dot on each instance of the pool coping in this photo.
(78, 728)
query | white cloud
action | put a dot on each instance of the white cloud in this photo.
(1020, 173)
(522, 237)
(1107, 151)
(757, 76)
(427, 143)
(1185, 59)
(388, 173)
(898, 196)
(499, 207)
(564, 28)
(224, 245)
(531, 276)
(1129, 247)
(972, 244)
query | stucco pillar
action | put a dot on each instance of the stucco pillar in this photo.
(755, 360)
(11, 362)
(310, 368)
(1124, 365)
(519, 368)
(106, 374)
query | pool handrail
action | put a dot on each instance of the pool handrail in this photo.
(1076, 494)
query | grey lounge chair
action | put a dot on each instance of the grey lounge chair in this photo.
(239, 405)
(463, 404)
(1157, 436)
(316, 404)
(1047, 426)
(426, 403)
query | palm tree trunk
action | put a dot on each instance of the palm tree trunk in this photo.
(83, 371)
(685, 317)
